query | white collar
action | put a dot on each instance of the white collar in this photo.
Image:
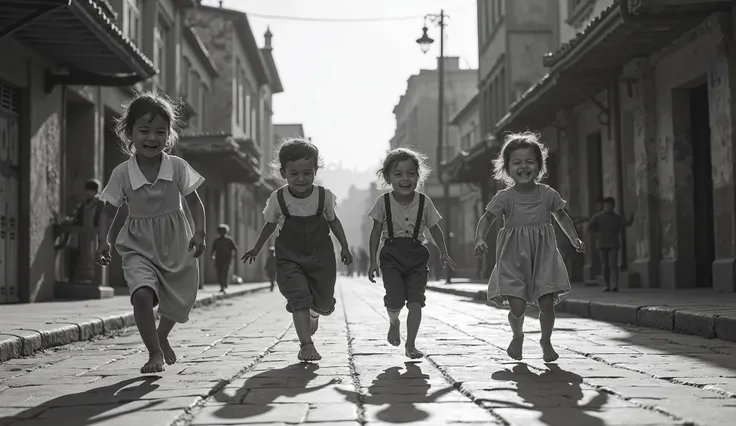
(138, 179)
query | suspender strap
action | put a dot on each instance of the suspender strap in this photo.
(389, 219)
(282, 202)
(321, 203)
(420, 214)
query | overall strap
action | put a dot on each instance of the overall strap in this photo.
(420, 214)
(321, 202)
(282, 202)
(389, 219)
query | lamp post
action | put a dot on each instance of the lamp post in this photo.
(424, 43)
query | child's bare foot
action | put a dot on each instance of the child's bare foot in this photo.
(394, 333)
(413, 353)
(155, 364)
(169, 354)
(548, 352)
(515, 347)
(309, 353)
(313, 323)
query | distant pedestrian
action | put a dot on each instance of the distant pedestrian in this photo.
(156, 236)
(305, 257)
(363, 262)
(271, 266)
(606, 227)
(529, 269)
(400, 219)
(87, 214)
(224, 250)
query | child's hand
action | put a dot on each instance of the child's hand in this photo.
(250, 255)
(445, 260)
(346, 256)
(372, 272)
(579, 245)
(102, 257)
(197, 244)
(480, 248)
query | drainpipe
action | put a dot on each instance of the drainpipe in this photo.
(614, 128)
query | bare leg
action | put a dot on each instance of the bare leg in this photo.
(145, 321)
(413, 320)
(165, 326)
(547, 323)
(303, 330)
(516, 321)
(394, 331)
(313, 322)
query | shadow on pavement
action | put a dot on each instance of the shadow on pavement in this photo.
(258, 393)
(556, 394)
(89, 407)
(401, 391)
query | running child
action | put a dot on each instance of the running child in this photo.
(306, 269)
(155, 239)
(400, 219)
(529, 269)
(224, 250)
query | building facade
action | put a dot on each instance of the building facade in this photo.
(639, 106)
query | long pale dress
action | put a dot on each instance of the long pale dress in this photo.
(528, 264)
(154, 241)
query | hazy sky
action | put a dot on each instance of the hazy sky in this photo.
(342, 80)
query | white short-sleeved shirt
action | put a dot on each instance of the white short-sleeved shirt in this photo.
(405, 217)
(128, 184)
(299, 206)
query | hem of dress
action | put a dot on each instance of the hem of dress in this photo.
(135, 287)
(174, 318)
(501, 300)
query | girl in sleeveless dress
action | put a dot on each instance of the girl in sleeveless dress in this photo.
(156, 239)
(306, 269)
(529, 269)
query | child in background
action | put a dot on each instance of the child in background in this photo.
(400, 219)
(529, 269)
(305, 257)
(155, 240)
(224, 250)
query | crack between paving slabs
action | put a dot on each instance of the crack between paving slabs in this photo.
(360, 400)
(445, 375)
(597, 387)
(190, 412)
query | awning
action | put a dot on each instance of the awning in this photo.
(221, 153)
(474, 164)
(80, 37)
(589, 61)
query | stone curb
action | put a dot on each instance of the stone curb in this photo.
(709, 325)
(25, 342)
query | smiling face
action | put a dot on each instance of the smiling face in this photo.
(150, 135)
(299, 174)
(523, 166)
(404, 177)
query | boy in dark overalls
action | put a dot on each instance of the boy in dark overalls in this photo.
(224, 250)
(305, 257)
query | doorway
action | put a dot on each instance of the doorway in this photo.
(703, 228)
(594, 158)
(9, 192)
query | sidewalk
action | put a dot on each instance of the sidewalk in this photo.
(700, 312)
(27, 328)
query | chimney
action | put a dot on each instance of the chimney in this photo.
(267, 36)
(451, 63)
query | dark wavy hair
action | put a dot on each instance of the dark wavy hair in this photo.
(294, 149)
(512, 142)
(397, 155)
(147, 103)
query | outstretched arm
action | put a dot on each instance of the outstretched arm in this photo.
(484, 226)
(563, 219)
(197, 210)
(337, 229)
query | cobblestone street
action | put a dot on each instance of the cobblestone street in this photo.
(238, 366)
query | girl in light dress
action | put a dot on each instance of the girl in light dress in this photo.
(529, 269)
(156, 241)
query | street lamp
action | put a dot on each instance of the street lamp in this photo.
(425, 41)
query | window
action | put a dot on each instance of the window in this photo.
(202, 106)
(577, 10)
(238, 98)
(253, 125)
(186, 68)
(246, 117)
(132, 27)
(160, 51)
(195, 98)
(490, 18)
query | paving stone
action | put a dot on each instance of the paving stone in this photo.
(336, 412)
(588, 416)
(236, 414)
